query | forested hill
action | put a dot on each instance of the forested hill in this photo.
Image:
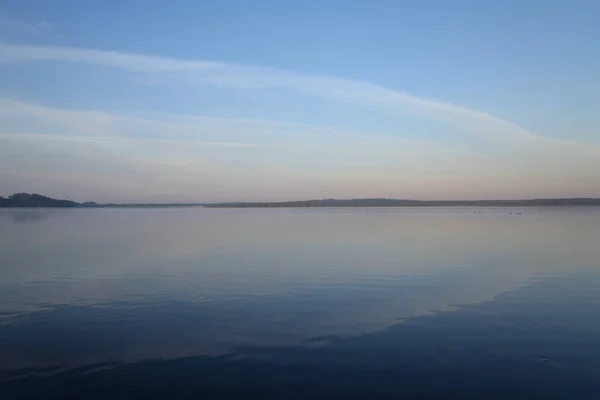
(27, 200)
(34, 200)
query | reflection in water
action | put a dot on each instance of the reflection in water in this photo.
(426, 303)
(24, 215)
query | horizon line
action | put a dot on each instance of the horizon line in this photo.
(313, 200)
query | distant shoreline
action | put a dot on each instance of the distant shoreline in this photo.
(413, 203)
(26, 200)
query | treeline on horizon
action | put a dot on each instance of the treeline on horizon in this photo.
(32, 200)
(411, 203)
(27, 200)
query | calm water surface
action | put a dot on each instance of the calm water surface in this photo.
(300, 303)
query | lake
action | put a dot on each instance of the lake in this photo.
(300, 303)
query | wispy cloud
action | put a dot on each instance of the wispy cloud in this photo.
(20, 117)
(186, 154)
(132, 62)
(14, 27)
(190, 156)
(196, 72)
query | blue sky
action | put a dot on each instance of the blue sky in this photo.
(269, 100)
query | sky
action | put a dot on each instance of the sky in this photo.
(263, 100)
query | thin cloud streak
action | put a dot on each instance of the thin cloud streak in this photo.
(131, 62)
(117, 139)
(182, 133)
(13, 26)
(468, 121)
(35, 120)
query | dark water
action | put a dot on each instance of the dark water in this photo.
(300, 303)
